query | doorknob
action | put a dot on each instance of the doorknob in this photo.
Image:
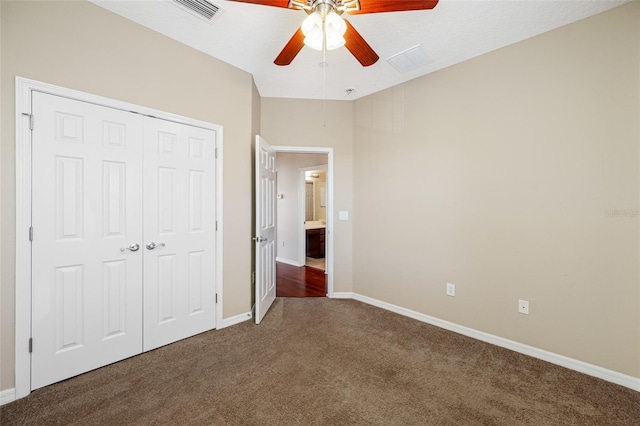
(132, 247)
(153, 245)
(259, 239)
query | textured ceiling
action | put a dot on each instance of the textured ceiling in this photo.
(250, 36)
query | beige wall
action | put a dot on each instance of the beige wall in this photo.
(256, 104)
(314, 129)
(81, 46)
(288, 166)
(499, 175)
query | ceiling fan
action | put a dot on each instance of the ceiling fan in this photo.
(325, 27)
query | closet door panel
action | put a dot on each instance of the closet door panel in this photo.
(179, 231)
(87, 206)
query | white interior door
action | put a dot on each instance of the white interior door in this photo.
(87, 223)
(179, 231)
(265, 238)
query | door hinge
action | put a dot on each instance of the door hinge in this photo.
(30, 119)
(216, 152)
(31, 233)
(216, 225)
(30, 344)
(216, 297)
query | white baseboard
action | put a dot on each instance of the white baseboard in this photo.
(7, 396)
(561, 360)
(343, 295)
(228, 322)
(288, 261)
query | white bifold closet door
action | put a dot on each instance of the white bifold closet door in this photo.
(179, 205)
(123, 251)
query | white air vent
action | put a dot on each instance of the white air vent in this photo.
(201, 8)
(409, 59)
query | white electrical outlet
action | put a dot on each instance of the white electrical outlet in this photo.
(523, 306)
(451, 289)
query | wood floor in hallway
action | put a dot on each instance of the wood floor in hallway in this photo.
(303, 281)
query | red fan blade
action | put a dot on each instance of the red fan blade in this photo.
(291, 49)
(274, 3)
(378, 6)
(359, 47)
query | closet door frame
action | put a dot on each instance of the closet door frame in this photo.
(23, 122)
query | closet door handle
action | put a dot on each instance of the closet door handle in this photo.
(153, 245)
(132, 247)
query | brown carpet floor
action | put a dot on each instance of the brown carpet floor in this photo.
(329, 362)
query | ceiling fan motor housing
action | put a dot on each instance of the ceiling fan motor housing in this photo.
(325, 6)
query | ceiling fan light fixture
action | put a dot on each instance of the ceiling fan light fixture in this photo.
(334, 27)
(312, 30)
(324, 31)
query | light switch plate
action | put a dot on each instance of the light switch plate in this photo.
(342, 215)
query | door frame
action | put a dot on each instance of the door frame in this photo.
(300, 229)
(329, 228)
(23, 107)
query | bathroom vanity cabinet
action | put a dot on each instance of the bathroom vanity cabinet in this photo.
(315, 243)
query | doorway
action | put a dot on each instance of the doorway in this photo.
(304, 205)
